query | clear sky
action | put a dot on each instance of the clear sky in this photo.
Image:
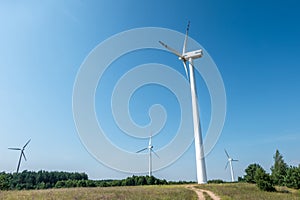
(255, 45)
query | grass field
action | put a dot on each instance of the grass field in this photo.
(245, 191)
(108, 193)
(228, 191)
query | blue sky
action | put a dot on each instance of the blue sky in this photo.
(255, 45)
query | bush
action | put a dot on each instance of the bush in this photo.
(41, 185)
(218, 181)
(263, 181)
(4, 181)
(241, 179)
(251, 171)
(292, 178)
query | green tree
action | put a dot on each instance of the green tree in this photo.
(81, 183)
(4, 181)
(129, 181)
(250, 172)
(41, 185)
(292, 178)
(116, 183)
(90, 183)
(263, 180)
(279, 169)
(150, 180)
(142, 180)
(60, 184)
(70, 183)
(102, 184)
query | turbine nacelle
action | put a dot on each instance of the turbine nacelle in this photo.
(185, 56)
(192, 55)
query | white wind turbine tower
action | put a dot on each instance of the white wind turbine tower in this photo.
(230, 160)
(190, 56)
(150, 151)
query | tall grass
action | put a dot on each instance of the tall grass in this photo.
(245, 191)
(108, 193)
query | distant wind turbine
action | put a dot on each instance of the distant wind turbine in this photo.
(190, 57)
(230, 160)
(150, 151)
(22, 154)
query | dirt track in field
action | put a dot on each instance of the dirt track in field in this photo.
(200, 193)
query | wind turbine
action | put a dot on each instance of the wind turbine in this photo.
(22, 154)
(190, 56)
(150, 151)
(230, 160)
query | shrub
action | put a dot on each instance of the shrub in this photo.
(263, 181)
(251, 171)
(218, 181)
(292, 178)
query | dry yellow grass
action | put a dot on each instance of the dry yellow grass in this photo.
(245, 191)
(228, 191)
(132, 193)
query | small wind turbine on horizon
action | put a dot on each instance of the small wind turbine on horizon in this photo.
(22, 154)
(189, 57)
(229, 161)
(150, 151)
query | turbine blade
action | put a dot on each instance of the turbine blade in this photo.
(155, 153)
(141, 150)
(24, 156)
(186, 70)
(15, 149)
(226, 153)
(150, 139)
(171, 49)
(26, 143)
(186, 38)
(226, 165)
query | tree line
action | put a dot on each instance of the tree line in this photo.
(46, 180)
(281, 175)
(37, 180)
